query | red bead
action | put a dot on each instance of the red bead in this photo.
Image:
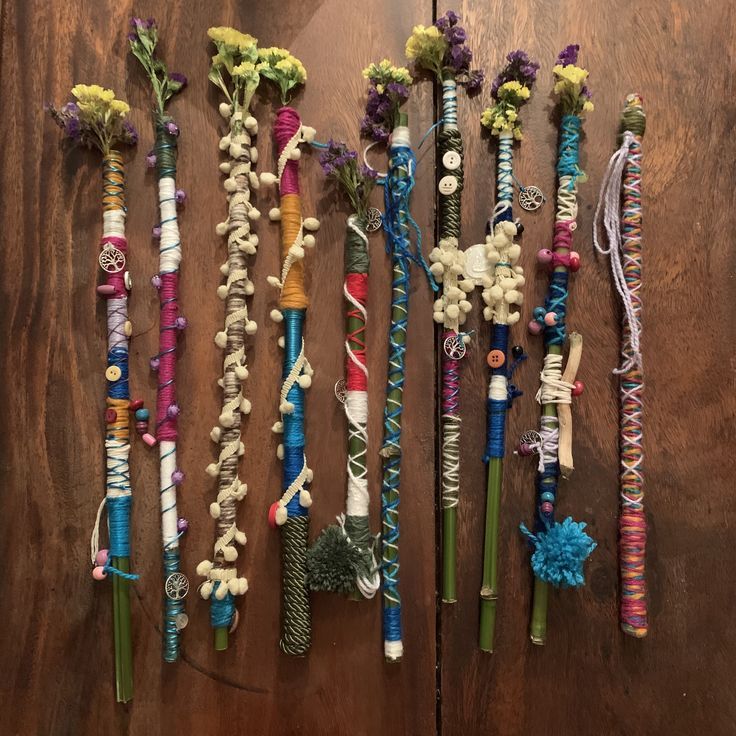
(577, 388)
(110, 415)
(272, 515)
(141, 427)
(547, 507)
(574, 261)
(134, 405)
(525, 449)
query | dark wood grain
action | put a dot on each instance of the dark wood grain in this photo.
(590, 678)
(55, 638)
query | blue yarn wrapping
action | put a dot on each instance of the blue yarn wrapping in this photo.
(118, 389)
(171, 609)
(294, 422)
(496, 427)
(221, 611)
(504, 182)
(556, 302)
(398, 223)
(568, 151)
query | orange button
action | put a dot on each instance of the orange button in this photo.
(496, 358)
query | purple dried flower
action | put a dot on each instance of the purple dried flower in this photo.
(181, 324)
(72, 127)
(179, 78)
(181, 196)
(142, 25)
(569, 55)
(172, 128)
(151, 160)
(475, 81)
(452, 17)
(155, 363)
(399, 90)
(181, 524)
(156, 232)
(455, 35)
(368, 173)
(459, 58)
(130, 132)
(156, 281)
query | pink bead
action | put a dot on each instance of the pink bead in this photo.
(547, 507)
(101, 557)
(105, 289)
(544, 255)
(550, 319)
(534, 327)
(525, 449)
(272, 515)
(578, 388)
(99, 573)
(149, 439)
(574, 261)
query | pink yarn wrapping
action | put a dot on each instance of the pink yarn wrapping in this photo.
(451, 380)
(116, 280)
(166, 426)
(287, 123)
(563, 234)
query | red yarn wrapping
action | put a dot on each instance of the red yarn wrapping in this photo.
(116, 280)
(287, 123)
(165, 425)
(356, 285)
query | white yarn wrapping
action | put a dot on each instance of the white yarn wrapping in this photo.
(553, 390)
(356, 410)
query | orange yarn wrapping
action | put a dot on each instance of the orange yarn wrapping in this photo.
(120, 428)
(293, 295)
(113, 182)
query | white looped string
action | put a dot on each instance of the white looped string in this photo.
(609, 203)
(380, 174)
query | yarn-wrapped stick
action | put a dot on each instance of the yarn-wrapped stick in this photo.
(620, 209)
(559, 549)
(502, 295)
(171, 323)
(441, 49)
(97, 120)
(238, 52)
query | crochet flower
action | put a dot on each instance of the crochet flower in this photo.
(575, 97)
(285, 70)
(388, 90)
(510, 89)
(340, 163)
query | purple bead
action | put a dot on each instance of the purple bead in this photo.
(181, 323)
(156, 232)
(155, 363)
(156, 281)
(177, 477)
(172, 128)
(182, 525)
(180, 195)
(173, 411)
(151, 160)
(525, 449)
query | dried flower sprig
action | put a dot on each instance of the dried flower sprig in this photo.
(283, 69)
(575, 97)
(511, 89)
(234, 66)
(388, 90)
(96, 119)
(340, 163)
(143, 40)
(442, 50)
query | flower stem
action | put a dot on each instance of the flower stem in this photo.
(123, 647)
(488, 591)
(538, 628)
(221, 637)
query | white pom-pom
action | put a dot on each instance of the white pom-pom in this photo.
(487, 313)
(204, 567)
(281, 515)
(221, 591)
(230, 184)
(295, 154)
(438, 317)
(277, 428)
(434, 255)
(212, 469)
(253, 180)
(215, 434)
(305, 499)
(311, 223)
(452, 311)
(233, 586)
(250, 123)
(215, 510)
(281, 342)
(221, 228)
(465, 306)
(466, 285)
(226, 419)
(308, 241)
(251, 327)
(456, 269)
(240, 537)
(446, 259)
(205, 590)
(254, 214)
(280, 452)
(254, 155)
(248, 288)
(241, 372)
(309, 475)
(225, 110)
(225, 167)
(225, 269)
(274, 214)
(222, 291)
(466, 339)
(230, 554)
(304, 381)
(273, 281)
(511, 296)
(286, 407)
(242, 586)
(268, 178)
(437, 269)
(513, 318)
(224, 143)
(220, 383)
(245, 405)
(308, 133)
(236, 150)
(297, 252)
(221, 339)
(276, 315)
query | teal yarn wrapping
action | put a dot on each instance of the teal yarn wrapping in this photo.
(172, 609)
(568, 151)
(222, 611)
(398, 224)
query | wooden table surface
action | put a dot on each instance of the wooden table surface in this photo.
(55, 622)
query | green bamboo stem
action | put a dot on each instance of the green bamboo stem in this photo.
(449, 554)
(221, 638)
(123, 646)
(489, 587)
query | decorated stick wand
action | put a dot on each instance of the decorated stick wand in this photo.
(510, 91)
(234, 72)
(343, 558)
(143, 41)
(388, 90)
(624, 238)
(291, 511)
(96, 119)
(559, 549)
(441, 49)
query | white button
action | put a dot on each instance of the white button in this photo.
(447, 185)
(476, 263)
(451, 160)
(128, 280)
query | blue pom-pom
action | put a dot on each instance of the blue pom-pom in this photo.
(559, 553)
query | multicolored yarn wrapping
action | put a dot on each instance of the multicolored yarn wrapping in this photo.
(560, 550)
(625, 251)
(167, 410)
(342, 559)
(291, 511)
(398, 223)
(450, 310)
(222, 583)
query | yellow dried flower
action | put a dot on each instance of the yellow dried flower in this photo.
(232, 37)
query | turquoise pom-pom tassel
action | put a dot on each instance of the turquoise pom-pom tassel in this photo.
(560, 552)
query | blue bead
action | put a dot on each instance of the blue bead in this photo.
(539, 313)
(547, 496)
(142, 415)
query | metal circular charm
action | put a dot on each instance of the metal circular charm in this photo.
(531, 198)
(176, 586)
(532, 437)
(111, 259)
(454, 347)
(374, 220)
(341, 391)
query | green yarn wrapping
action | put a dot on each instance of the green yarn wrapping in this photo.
(297, 629)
